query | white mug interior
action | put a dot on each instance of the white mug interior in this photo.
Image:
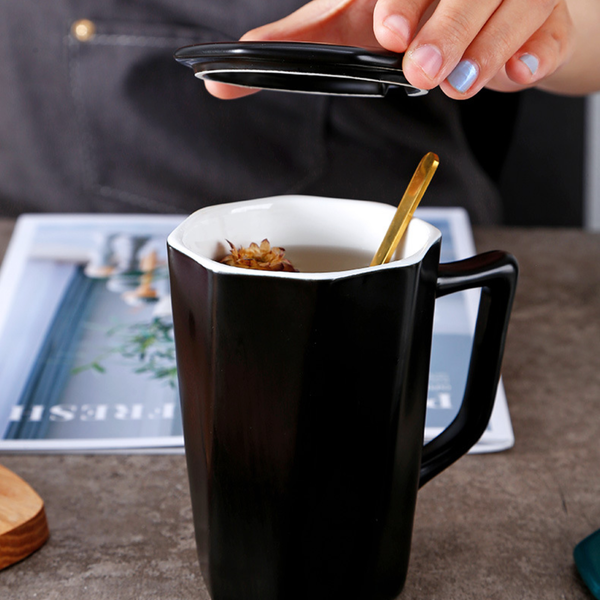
(298, 221)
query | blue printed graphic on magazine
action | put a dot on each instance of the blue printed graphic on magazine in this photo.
(87, 359)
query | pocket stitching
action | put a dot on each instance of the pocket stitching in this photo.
(141, 41)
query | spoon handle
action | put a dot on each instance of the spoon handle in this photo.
(412, 196)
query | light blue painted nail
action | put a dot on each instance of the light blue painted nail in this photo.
(531, 62)
(463, 76)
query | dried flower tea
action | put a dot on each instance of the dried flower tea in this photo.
(263, 257)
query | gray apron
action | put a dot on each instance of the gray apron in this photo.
(114, 124)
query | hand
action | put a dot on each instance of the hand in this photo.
(459, 45)
(465, 45)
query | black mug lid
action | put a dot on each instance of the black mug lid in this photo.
(304, 67)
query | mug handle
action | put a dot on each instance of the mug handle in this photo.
(496, 273)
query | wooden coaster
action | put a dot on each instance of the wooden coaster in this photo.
(23, 525)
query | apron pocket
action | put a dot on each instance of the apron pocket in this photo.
(154, 140)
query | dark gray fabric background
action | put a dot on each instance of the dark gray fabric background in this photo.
(116, 125)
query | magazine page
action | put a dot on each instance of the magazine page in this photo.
(87, 360)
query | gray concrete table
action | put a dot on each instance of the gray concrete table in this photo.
(497, 526)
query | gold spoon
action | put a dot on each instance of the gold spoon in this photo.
(412, 196)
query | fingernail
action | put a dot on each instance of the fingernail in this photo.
(463, 76)
(399, 26)
(428, 58)
(531, 62)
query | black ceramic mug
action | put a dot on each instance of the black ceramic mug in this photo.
(304, 394)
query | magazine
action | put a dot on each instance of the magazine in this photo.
(87, 359)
